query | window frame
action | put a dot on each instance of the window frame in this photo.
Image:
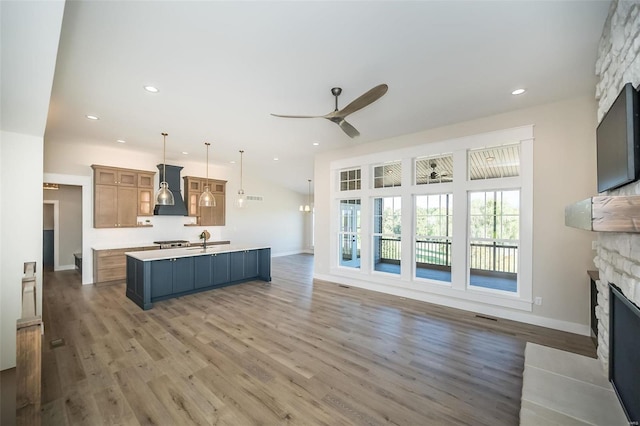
(458, 294)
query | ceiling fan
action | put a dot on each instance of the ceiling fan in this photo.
(338, 116)
(434, 175)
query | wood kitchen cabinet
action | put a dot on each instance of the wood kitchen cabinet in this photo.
(206, 216)
(120, 196)
(109, 264)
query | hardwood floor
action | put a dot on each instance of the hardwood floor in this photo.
(289, 352)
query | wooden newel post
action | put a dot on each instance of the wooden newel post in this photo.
(28, 354)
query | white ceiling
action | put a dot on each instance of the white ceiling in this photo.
(223, 67)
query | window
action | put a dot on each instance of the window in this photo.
(387, 230)
(349, 238)
(437, 169)
(496, 162)
(494, 234)
(387, 175)
(350, 180)
(434, 226)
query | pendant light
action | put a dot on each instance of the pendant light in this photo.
(206, 198)
(241, 201)
(164, 196)
(307, 208)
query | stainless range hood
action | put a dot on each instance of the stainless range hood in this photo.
(173, 179)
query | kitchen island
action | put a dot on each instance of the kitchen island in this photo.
(164, 274)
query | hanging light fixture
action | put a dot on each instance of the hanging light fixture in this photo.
(164, 196)
(241, 201)
(307, 208)
(206, 198)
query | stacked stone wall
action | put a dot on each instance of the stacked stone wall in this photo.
(617, 254)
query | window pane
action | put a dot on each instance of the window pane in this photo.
(434, 217)
(494, 218)
(350, 180)
(387, 215)
(495, 162)
(349, 235)
(435, 169)
(387, 175)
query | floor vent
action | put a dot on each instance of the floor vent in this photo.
(56, 343)
(343, 286)
(487, 318)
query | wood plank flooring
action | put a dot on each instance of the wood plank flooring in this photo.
(290, 352)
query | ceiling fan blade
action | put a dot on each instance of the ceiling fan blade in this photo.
(364, 100)
(297, 116)
(349, 129)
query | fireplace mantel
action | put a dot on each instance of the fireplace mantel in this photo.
(607, 213)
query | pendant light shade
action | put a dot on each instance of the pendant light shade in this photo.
(241, 200)
(206, 198)
(164, 196)
(307, 207)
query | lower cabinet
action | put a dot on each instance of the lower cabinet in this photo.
(244, 264)
(171, 276)
(152, 280)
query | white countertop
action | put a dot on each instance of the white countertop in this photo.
(189, 251)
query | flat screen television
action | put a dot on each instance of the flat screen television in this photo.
(618, 142)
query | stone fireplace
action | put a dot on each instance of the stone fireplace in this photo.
(617, 254)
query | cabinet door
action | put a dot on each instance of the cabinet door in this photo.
(145, 202)
(250, 264)
(194, 185)
(220, 267)
(193, 209)
(236, 265)
(105, 177)
(206, 214)
(127, 178)
(182, 274)
(161, 277)
(202, 271)
(127, 206)
(105, 207)
(145, 180)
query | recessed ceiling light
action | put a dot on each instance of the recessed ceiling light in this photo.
(275, 158)
(92, 117)
(316, 143)
(185, 152)
(121, 141)
(232, 162)
(151, 89)
(518, 92)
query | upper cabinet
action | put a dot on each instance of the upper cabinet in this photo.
(206, 216)
(120, 196)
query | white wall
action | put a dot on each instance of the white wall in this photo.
(30, 32)
(275, 221)
(564, 171)
(21, 230)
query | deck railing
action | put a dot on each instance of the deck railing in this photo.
(490, 256)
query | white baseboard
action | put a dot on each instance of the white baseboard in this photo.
(65, 267)
(466, 305)
(286, 253)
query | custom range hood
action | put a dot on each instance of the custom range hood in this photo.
(173, 179)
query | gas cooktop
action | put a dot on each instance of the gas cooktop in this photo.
(172, 243)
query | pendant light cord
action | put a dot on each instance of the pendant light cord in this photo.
(241, 152)
(207, 144)
(164, 157)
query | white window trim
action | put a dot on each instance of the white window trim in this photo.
(407, 284)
